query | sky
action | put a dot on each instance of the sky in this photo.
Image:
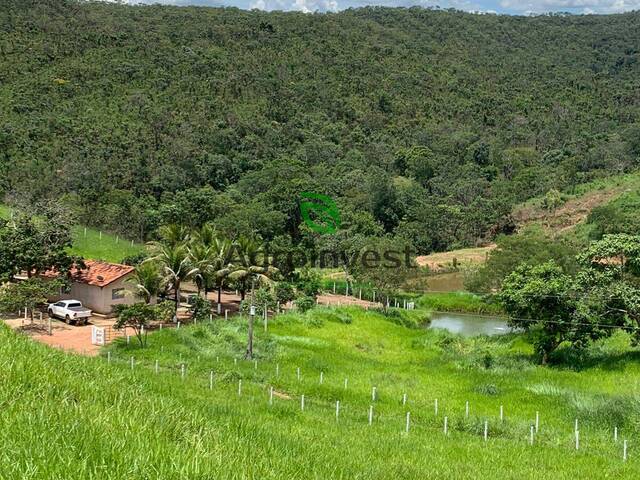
(511, 7)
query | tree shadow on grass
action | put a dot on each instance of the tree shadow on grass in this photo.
(584, 359)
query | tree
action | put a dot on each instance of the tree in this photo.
(203, 258)
(618, 252)
(174, 234)
(248, 271)
(136, 316)
(36, 244)
(385, 263)
(541, 299)
(27, 294)
(147, 280)
(222, 248)
(530, 247)
(176, 266)
(284, 293)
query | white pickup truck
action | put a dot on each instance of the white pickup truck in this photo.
(71, 311)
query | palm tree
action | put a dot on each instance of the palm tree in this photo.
(222, 247)
(176, 265)
(174, 234)
(203, 258)
(206, 235)
(147, 281)
(249, 272)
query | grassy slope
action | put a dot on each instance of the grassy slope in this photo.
(69, 417)
(91, 245)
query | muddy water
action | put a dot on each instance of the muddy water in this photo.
(469, 325)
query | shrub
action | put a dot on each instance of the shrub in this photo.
(305, 303)
(406, 318)
(200, 309)
(309, 283)
(284, 292)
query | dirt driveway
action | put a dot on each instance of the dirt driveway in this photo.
(78, 339)
(63, 336)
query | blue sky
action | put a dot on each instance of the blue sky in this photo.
(514, 7)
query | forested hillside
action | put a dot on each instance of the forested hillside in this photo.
(427, 125)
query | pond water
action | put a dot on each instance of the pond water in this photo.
(469, 325)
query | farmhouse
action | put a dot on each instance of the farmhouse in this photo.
(100, 286)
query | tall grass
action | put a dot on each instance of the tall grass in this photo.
(68, 417)
(460, 302)
(93, 244)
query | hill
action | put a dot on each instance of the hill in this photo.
(429, 125)
(95, 418)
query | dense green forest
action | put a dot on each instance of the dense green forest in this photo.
(425, 125)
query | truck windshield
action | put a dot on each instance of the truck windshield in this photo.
(74, 305)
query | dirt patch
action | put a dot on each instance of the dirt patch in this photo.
(570, 214)
(281, 395)
(63, 336)
(342, 300)
(438, 262)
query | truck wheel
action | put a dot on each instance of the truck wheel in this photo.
(67, 320)
(50, 312)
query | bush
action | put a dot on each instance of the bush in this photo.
(284, 292)
(200, 309)
(309, 283)
(261, 298)
(135, 259)
(406, 318)
(305, 303)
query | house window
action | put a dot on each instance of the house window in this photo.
(117, 294)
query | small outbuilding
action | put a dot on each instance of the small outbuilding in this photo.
(99, 286)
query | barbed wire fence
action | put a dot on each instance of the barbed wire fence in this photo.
(406, 415)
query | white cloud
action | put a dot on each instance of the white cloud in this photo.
(580, 6)
(306, 6)
(520, 7)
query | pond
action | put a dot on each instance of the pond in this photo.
(469, 325)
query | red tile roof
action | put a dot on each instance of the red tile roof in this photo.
(97, 273)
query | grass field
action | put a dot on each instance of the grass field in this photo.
(459, 302)
(68, 417)
(111, 248)
(90, 243)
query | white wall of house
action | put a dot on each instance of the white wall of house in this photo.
(102, 299)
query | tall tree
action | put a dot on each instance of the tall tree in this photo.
(176, 266)
(541, 299)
